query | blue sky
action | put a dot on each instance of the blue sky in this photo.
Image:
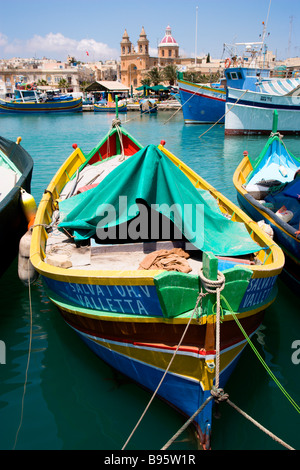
(56, 28)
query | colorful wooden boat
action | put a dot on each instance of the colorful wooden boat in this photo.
(29, 101)
(251, 112)
(268, 189)
(16, 167)
(110, 108)
(148, 106)
(131, 298)
(205, 102)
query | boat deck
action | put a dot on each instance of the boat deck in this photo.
(62, 251)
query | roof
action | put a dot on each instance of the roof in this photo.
(107, 85)
(168, 39)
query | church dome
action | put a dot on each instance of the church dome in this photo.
(168, 39)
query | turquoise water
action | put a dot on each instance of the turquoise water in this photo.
(75, 401)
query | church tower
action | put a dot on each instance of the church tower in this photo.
(133, 63)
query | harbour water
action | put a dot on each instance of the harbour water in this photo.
(73, 400)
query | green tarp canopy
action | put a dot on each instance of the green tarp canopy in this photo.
(159, 88)
(150, 176)
(143, 87)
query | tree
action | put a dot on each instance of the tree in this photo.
(63, 83)
(146, 81)
(208, 58)
(154, 75)
(170, 73)
(42, 82)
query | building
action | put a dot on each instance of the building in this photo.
(168, 49)
(134, 63)
(47, 71)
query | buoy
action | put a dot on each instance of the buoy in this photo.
(283, 171)
(29, 206)
(26, 272)
(284, 214)
(266, 228)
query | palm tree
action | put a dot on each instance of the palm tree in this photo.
(146, 81)
(154, 75)
(42, 82)
(63, 83)
(170, 74)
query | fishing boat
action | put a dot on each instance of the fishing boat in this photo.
(205, 102)
(16, 167)
(268, 189)
(27, 99)
(251, 112)
(148, 106)
(132, 246)
(110, 108)
(110, 105)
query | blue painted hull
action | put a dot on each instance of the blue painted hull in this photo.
(63, 106)
(183, 394)
(200, 108)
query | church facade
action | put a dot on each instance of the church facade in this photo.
(136, 61)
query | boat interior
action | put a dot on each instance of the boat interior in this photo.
(9, 175)
(166, 250)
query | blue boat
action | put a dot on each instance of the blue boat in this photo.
(29, 100)
(148, 106)
(109, 108)
(268, 189)
(205, 103)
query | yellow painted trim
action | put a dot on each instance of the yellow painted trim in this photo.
(203, 87)
(242, 172)
(277, 260)
(131, 277)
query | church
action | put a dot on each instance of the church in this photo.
(135, 62)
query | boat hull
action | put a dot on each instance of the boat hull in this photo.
(109, 109)
(141, 348)
(201, 104)
(13, 222)
(253, 113)
(288, 243)
(249, 199)
(63, 106)
(136, 319)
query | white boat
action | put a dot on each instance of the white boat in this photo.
(251, 112)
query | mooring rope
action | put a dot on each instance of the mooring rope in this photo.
(218, 394)
(181, 106)
(200, 296)
(224, 114)
(28, 360)
(215, 287)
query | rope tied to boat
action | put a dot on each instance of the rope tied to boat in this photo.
(219, 395)
(199, 299)
(116, 122)
(215, 287)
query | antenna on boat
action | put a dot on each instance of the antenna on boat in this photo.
(265, 28)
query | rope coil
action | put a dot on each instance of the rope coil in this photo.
(212, 287)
